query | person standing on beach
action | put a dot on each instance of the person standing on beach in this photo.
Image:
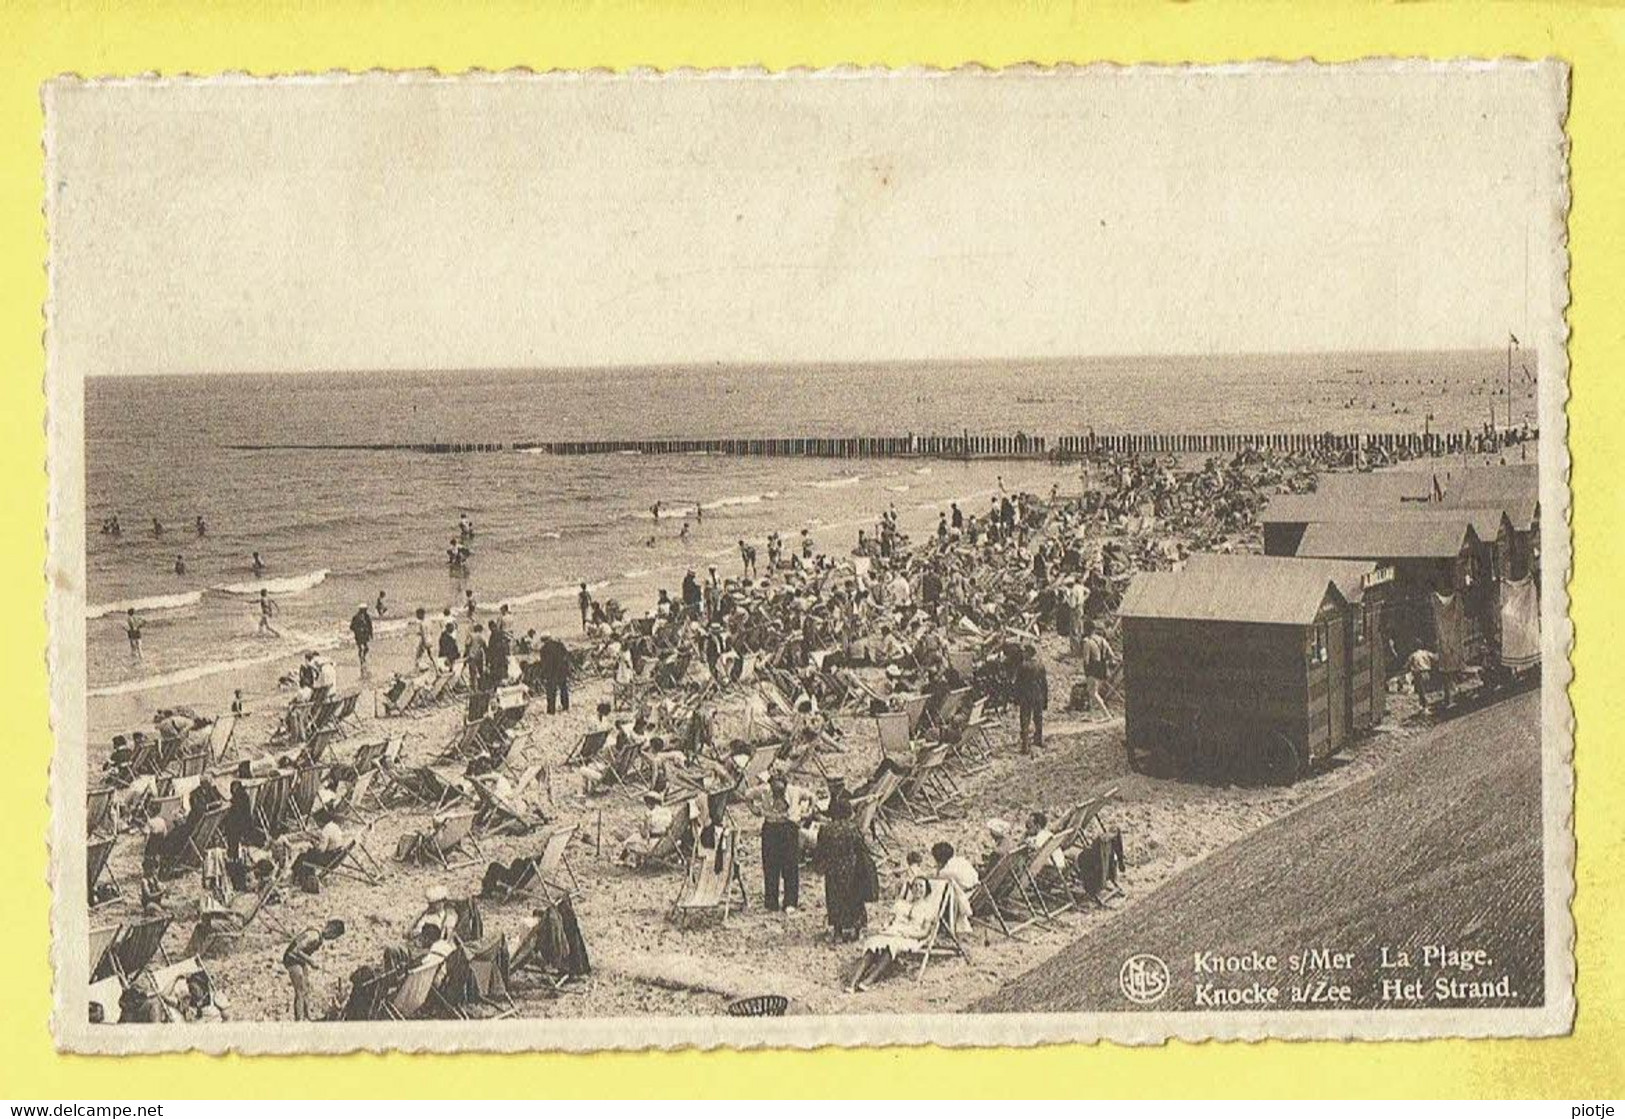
(258, 565)
(300, 957)
(361, 630)
(157, 529)
(1032, 695)
(180, 565)
(747, 558)
(424, 650)
(469, 607)
(447, 648)
(584, 601)
(956, 517)
(553, 661)
(268, 610)
(202, 527)
(378, 607)
(132, 630)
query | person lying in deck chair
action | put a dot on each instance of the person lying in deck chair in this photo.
(657, 821)
(913, 917)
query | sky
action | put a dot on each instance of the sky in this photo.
(417, 223)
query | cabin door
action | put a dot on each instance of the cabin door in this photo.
(1337, 681)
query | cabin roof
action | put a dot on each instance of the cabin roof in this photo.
(1397, 537)
(1261, 590)
(1515, 489)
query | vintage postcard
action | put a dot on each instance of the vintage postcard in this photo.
(585, 561)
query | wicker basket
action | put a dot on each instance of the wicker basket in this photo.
(759, 1006)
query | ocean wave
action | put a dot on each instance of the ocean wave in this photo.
(290, 584)
(897, 489)
(548, 594)
(836, 483)
(741, 499)
(285, 651)
(636, 573)
(146, 605)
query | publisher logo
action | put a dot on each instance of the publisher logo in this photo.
(1143, 978)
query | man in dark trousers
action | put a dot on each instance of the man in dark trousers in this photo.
(498, 647)
(361, 630)
(553, 664)
(1032, 696)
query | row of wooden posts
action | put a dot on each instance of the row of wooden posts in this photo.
(963, 446)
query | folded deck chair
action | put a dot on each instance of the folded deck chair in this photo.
(221, 929)
(98, 810)
(412, 996)
(136, 946)
(449, 833)
(709, 887)
(100, 943)
(942, 942)
(98, 864)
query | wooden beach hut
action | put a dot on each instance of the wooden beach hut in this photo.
(1245, 665)
(1344, 496)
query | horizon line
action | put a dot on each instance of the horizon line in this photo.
(732, 364)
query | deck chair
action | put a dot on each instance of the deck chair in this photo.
(106, 994)
(438, 691)
(709, 886)
(101, 940)
(1081, 815)
(503, 815)
(870, 811)
(400, 697)
(164, 979)
(943, 941)
(268, 798)
(1046, 883)
(410, 999)
(185, 847)
(976, 735)
(225, 928)
(447, 836)
(98, 864)
(171, 809)
(369, 754)
(914, 707)
(761, 759)
(488, 971)
(588, 747)
(893, 729)
(928, 790)
(136, 946)
(1000, 899)
(98, 810)
(351, 861)
(470, 740)
(669, 849)
(343, 714)
(419, 785)
(945, 712)
(529, 958)
(305, 793)
(348, 806)
(222, 736)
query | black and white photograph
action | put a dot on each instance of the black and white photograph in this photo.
(587, 561)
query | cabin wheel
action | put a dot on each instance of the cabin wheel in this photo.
(1280, 760)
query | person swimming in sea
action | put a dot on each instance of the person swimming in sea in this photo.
(465, 527)
(180, 565)
(202, 527)
(258, 565)
(132, 630)
(157, 528)
(378, 606)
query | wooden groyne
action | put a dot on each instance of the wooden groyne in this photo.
(966, 445)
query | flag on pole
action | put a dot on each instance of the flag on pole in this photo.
(1514, 338)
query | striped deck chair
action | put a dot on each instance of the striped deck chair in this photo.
(98, 810)
(449, 833)
(709, 887)
(412, 996)
(101, 941)
(305, 793)
(439, 691)
(222, 736)
(98, 865)
(344, 713)
(136, 946)
(268, 797)
(420, 785)
(943, 941)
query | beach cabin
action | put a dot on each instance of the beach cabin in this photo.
(1343, 497)
(1251, 666)
(1441, 578)
(1515, 491)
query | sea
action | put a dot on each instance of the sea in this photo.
(336, 527)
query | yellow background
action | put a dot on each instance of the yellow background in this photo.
(94, 38)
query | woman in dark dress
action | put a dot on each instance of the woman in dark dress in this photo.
(848, 872)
